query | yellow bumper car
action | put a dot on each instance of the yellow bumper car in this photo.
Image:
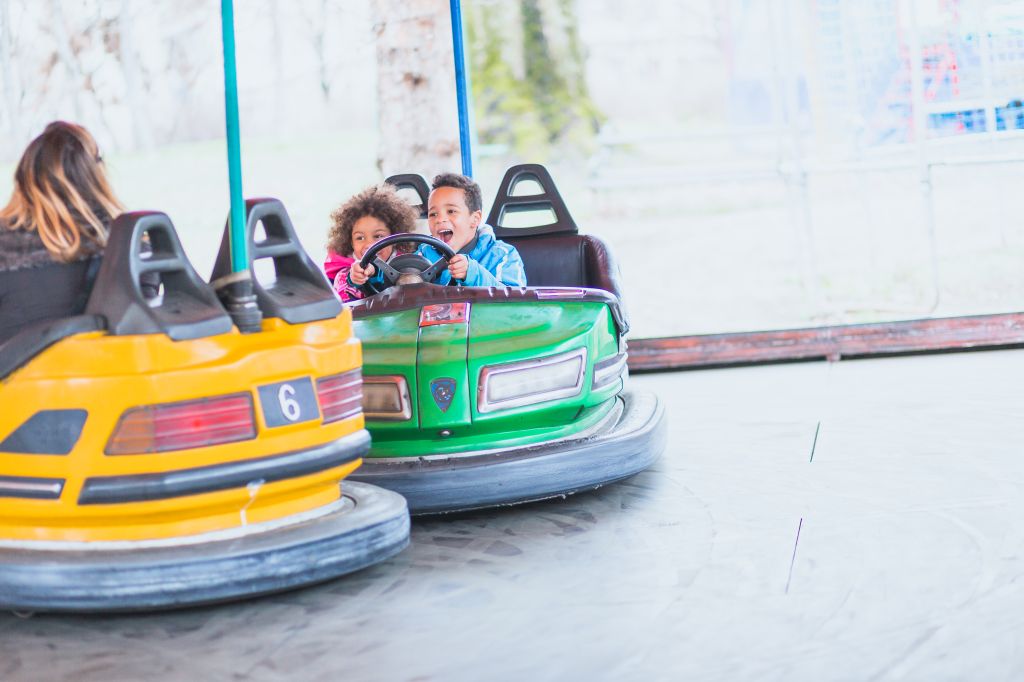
(153, 456)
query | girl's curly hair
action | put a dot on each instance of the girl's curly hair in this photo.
(379, 201)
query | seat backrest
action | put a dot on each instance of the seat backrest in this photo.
(570, 260)
(50, 292)
(552, 260)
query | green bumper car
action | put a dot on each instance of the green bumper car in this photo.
(485, 396)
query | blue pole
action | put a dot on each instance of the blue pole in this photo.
(462, 88)
(239, 257)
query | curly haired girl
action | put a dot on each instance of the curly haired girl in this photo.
(364, 219)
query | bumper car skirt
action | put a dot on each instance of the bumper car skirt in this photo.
(460, 482)
(365, 526)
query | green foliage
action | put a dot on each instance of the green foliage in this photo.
(529, 90)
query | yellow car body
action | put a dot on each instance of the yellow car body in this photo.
(152, 455)
(109, 375)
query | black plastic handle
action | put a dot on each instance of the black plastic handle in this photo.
(416, 183)
(300, 292)
(548, 199)
(189, 308)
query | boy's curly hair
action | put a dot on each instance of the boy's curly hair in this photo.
(379, 201)
(474, 198)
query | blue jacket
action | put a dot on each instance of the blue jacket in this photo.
(492, 262)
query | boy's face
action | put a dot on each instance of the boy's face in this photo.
(365, 233)
(449, 219)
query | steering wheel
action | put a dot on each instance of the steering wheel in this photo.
(407, 268)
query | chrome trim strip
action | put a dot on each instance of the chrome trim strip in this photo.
(31, 487)
(483, 405)
(164, 485)
(550, 293)
(608, 370)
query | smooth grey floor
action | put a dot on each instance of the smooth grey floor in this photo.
(908, 566)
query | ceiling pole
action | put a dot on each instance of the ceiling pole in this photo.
(461, 88)
(239, 257)
(235, 290)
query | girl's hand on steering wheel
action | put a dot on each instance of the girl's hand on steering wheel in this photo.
(359, 275)
(459, 266)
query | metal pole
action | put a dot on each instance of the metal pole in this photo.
(235, 290)
(789, 155)
(924, 167)
(985, 47)
(239, 257)
(461, 88)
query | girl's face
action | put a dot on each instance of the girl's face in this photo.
(365, 232)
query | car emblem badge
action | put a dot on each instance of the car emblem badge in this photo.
(443, 391)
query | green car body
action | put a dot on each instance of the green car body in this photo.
(497, 335)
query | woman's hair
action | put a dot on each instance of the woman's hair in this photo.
(379, 201)
(61, 192)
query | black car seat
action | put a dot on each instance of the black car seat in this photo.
(44, 294)
(144, 284)
(555, 254)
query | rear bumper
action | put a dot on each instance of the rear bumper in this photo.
(459, 482)
(365, 526)
(159, 486)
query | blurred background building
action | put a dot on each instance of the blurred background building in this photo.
(755, 163)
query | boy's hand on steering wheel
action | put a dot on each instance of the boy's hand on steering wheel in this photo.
(358, 275)
(459, 266)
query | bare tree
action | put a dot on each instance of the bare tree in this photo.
(72, 46)
(122, 43)
(11, 101)
(62, 40)
(417, 111)
(317, 25)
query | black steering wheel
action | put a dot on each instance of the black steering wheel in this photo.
(407, 268)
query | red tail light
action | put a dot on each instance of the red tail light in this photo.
(184, 425)
(341, 395)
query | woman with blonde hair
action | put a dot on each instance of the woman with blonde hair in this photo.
(54, 228)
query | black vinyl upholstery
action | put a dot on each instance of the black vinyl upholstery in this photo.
(42, 294)
(568, 260)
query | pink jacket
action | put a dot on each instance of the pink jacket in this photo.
(337, 268)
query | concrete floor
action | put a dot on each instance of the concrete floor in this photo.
(889, 547)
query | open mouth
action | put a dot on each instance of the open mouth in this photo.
(445, 235)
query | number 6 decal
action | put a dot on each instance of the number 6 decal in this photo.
(290, 407)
